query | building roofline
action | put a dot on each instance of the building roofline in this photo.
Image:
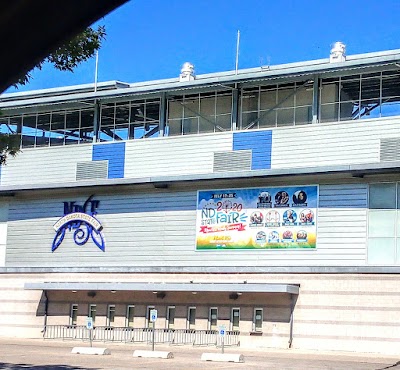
(79, 92)
(56, 91)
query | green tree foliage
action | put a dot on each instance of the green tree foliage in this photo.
(69, 56)
(65, 58)
(9, 146)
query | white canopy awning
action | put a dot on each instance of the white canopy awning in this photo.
(167, 287)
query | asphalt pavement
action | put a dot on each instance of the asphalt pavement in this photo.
(39, 354)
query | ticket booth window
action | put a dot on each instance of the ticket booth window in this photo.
(130, 316)
(191, 318)
(171, 317)
(73, 318)
(92, 312)
(110, 315)
(235, 319)
(258, 319)
(149, 323)
(213, 318)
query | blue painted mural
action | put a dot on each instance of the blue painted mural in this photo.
(115, 154)
(260, 143)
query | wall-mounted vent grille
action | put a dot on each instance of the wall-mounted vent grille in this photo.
(390, 150)
(237, 160)
(92, 170)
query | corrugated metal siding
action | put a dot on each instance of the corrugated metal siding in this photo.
(259, 142)
(239, 160)
(45, 165)
(332, 143)
(342, 220)
(171, 156)
(159, 229)
(114, 153)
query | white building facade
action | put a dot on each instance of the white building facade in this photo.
(264, 201)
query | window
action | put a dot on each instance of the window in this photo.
(258, 319)
(191, 321)
(235, 319)
(92, 312)
(390, 97)
(57, 136)
(110, 315)
(129, 120)
(130, 316)
(61, 127)
(72, 127)
(276, 105)
(361, 96)
(199, 113)
(213, 318)
(28, 131)
(384, 224)
(170, 317)
(73, 316)
(43, 129)
(149, 323)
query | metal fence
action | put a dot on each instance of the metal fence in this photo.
(142, 335)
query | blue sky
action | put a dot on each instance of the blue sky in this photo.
(151, 39)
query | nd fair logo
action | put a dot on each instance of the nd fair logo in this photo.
(223, 216)
(79, 220)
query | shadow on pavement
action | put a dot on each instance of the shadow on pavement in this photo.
(390, 366)
(7, 366)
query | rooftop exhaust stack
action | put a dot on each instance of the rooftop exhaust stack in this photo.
(338, 53)
(187, 72)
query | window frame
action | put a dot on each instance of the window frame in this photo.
(212, 326)
(168, 324)
(130, 307)
(149, 323)
(394, 238)
(92, 313)
(188, 324)
(257, 329)
(232, 327)
(73, 314)
(110, 315)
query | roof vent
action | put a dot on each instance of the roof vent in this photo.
(187, 72)
(338, 52)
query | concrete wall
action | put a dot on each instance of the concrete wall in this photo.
(351, 312)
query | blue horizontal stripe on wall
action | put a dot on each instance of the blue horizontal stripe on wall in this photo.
(260, 143)
(115, 154)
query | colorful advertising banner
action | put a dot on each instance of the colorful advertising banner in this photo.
(257, 218)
